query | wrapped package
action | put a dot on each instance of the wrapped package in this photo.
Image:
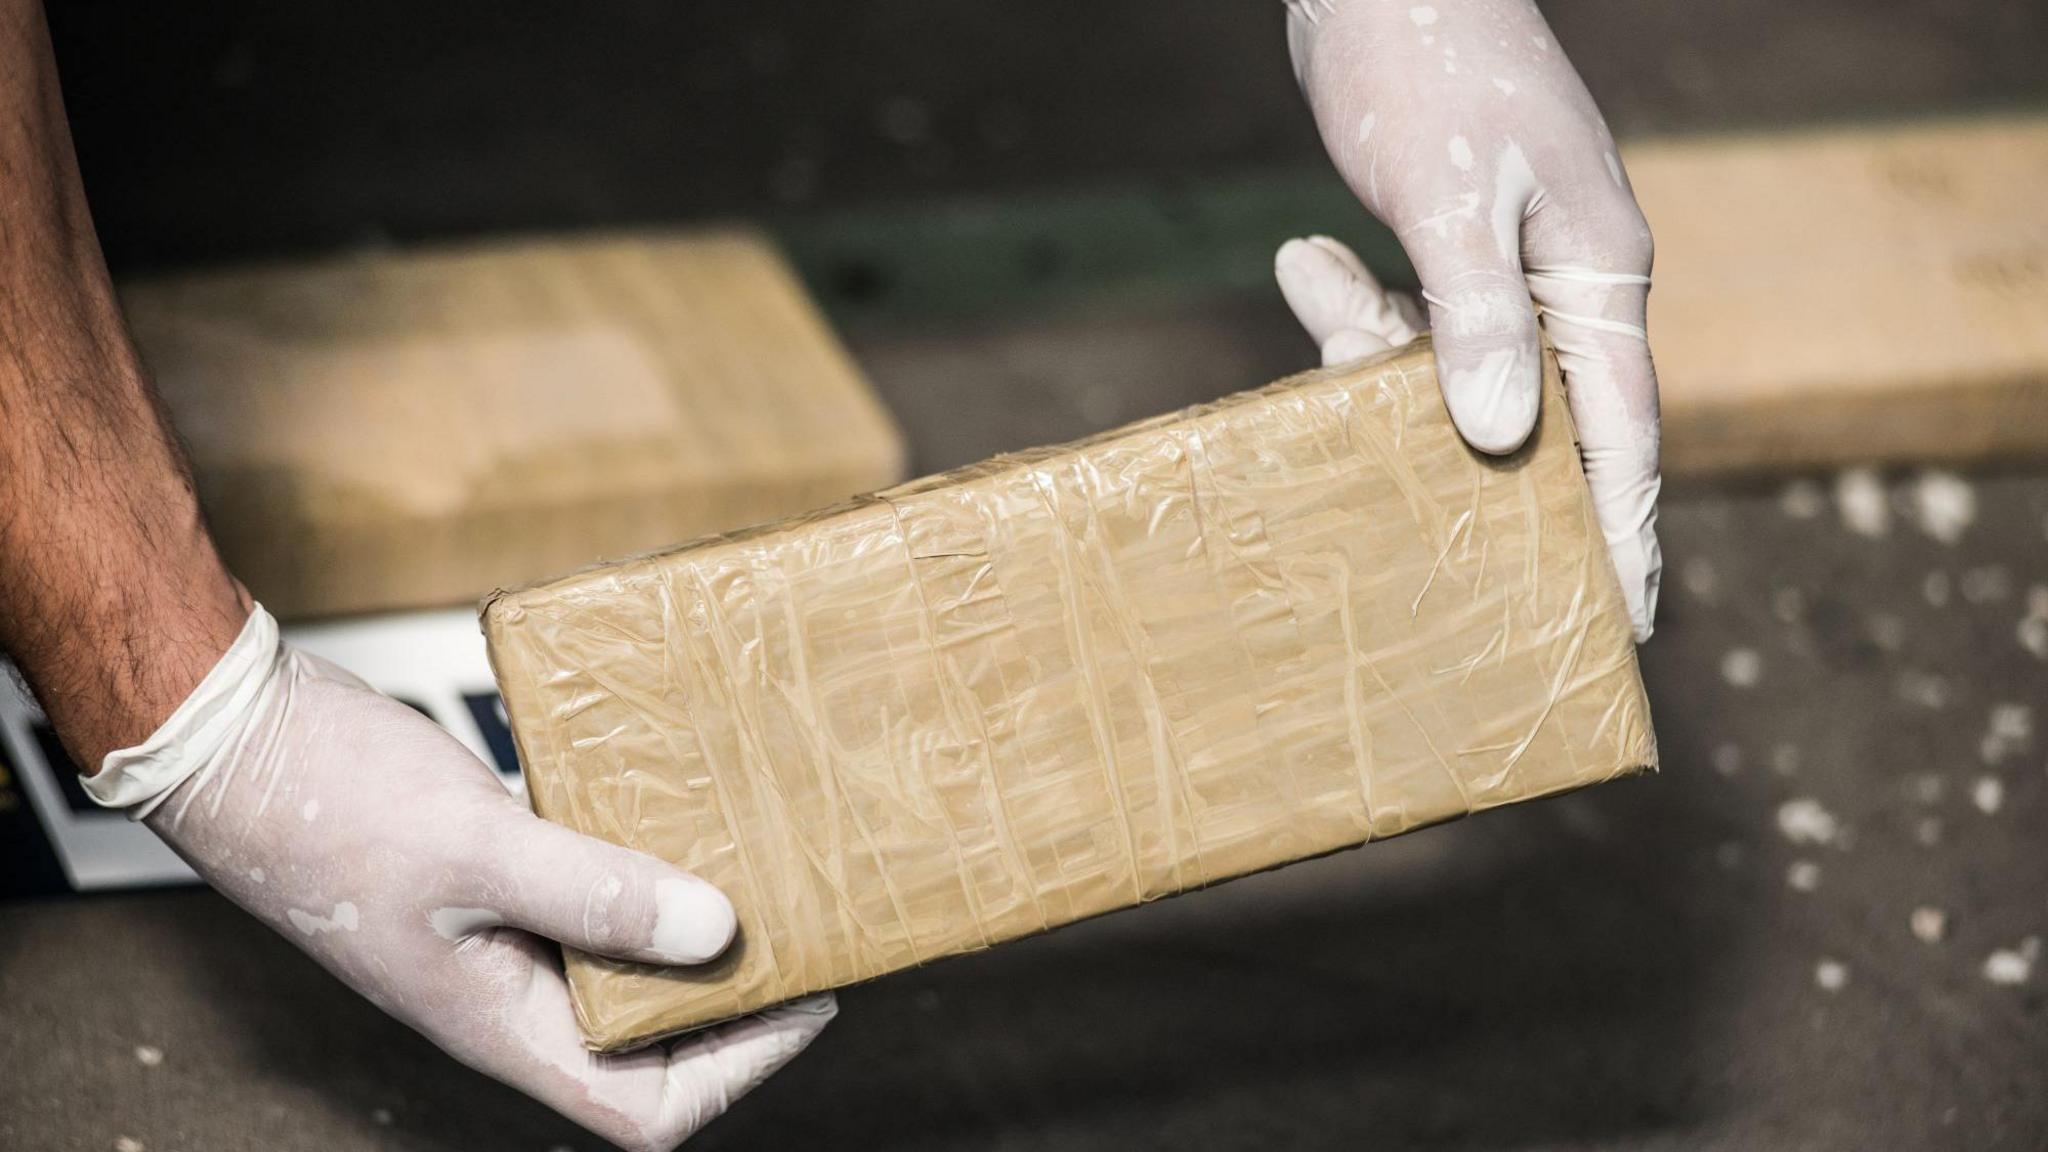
(389, 431)
(1067, 681)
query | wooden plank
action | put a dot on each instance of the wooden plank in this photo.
(402, 431)
(1856, 295)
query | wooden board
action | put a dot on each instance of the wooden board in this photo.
(402, 431)
(1868, 294)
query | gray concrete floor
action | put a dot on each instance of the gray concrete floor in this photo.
(1632, 967)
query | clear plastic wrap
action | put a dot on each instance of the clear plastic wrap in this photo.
(989, 703)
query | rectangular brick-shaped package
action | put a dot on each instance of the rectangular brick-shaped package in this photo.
(989, 703)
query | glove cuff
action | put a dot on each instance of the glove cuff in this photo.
(139, 778)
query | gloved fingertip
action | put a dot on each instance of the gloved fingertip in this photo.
(1351, 344)
(693, 921)
(1493, 400)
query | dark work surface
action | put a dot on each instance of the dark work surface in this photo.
(248, 127)
(1628, 968)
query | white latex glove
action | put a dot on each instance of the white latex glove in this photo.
(1461, 126)
(369, 837)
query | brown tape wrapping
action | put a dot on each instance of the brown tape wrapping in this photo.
(986, 704)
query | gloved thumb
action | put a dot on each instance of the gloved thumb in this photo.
(1489, 361)
(1345, 309)
(596, 897)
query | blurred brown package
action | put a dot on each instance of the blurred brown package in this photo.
(986, 704)
(393, 431)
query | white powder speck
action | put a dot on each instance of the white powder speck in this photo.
(1988, 794)
(1785, 759)
(1727, 759)
(1802, 500)
(127, 1144)
(147, 1056)
(2033, 627)
(1831, 975)
(258, 875)
(381, 1117)
(1803, 876)
(2013, 965)
(1804, 821)
(1742, 667)
(1461, 153)
(1423, 15)
(2010, 731)
(1699, 578)
(310, 812)
(345, 919)
(1507, 87)
(1944, 504)
(1929, 925)
(1859, 494)
(1936, 588)
(1543, 43)
(1927, 832)
(1366, 125)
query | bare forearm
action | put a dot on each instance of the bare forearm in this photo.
(112, 600)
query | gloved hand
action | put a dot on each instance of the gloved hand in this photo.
(1464, 129)
(370, 838)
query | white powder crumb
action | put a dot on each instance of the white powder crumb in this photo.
(1927, 832)
(1742, 667)
(1700, 579)
(310, 812)
(1727, 759)
(1802, 500)
(381, 1117)
(1859, 495)
(1423, 16)
(1803, 876)
(258, 875)
(1831, 975)
(1788, 605)
(1927, 788)
(1507, 87)
(1944, 504)
(148, 1056)
(1543, 43)
(1728, 855)
(1804, 821)
(1988, 794)
(1936, 588)
(2033, 627)
(1922, 688)
(2013, 965)
(1461, 153)
(1991, 584)
(1785, 759)
(127, 1144)
(1888, 632)
(1929, 925)
(2010, 731)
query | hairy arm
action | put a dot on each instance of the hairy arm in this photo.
(113, 602)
